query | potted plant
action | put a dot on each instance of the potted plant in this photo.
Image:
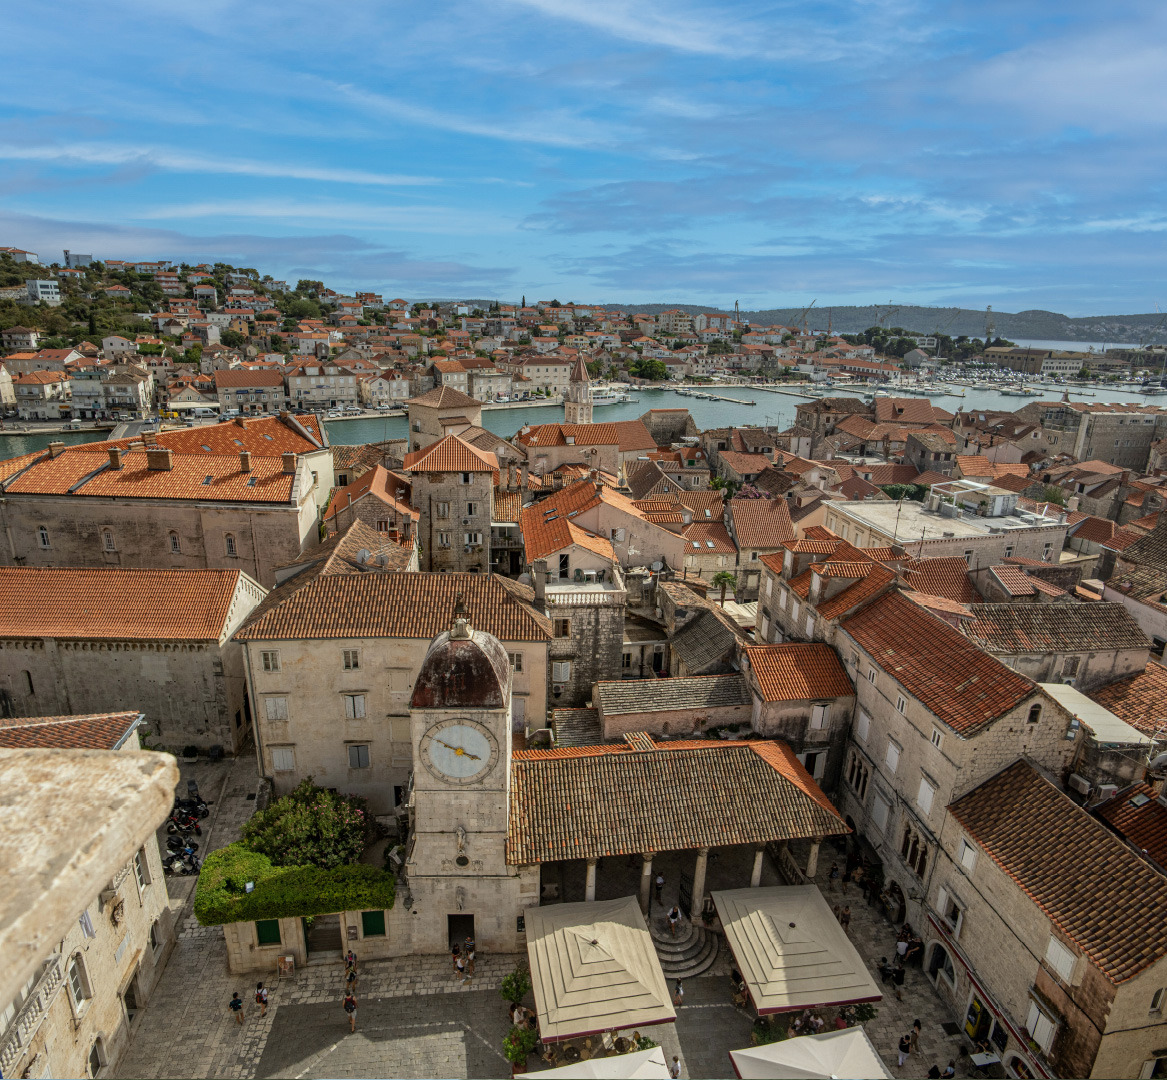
(516, 985)
(517, 1046)
(190, 754)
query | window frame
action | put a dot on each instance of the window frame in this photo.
(355, 706)
(561, 623)
(230, 546)
(80, 989)
(819, 714)
(361, 751)
(280, 703)
(175, 543)
(280, 750)
(108, 543)
(862, 726)
(350, 659)
(558, 666)
(926, 795)
(1060, 960)
(966, 855)
(516, 659)
(43, 540)
(269, 660)
(891, 756)
(142, 870)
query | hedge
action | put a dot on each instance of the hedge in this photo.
(284, 891)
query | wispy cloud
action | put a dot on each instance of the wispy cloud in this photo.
(119, 156)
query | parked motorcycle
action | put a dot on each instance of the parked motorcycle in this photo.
(184, 822)
(182, 863)
(181, 843)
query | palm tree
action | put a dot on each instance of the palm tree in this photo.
(723, 579)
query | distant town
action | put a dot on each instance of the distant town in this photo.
(837, 747)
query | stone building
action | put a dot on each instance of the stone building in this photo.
(1119, 434)
(602, 446)
(1061, 979)
(440, 412)
(380, 499)
(100, 639)
(243, 495)
(87, 926)
(332, 657)
(577, 401)
(452, 492)
(759, 527)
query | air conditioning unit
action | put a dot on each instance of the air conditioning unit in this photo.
(465, 521)
(1079, 784)
(557, 689)
(1107, 791)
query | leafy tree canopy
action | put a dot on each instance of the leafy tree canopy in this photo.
(311, 826)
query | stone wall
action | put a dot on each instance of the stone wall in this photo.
(429, 491)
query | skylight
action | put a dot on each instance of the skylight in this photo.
(208, 479)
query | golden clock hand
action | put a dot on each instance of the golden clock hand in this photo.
(460, 751)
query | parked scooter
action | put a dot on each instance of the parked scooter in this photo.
(182, 862)
(179, 843)
(184, 822)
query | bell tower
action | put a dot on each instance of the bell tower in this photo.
(577, 404)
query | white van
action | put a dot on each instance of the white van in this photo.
(203, 413)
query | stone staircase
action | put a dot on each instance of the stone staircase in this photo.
(691, 953)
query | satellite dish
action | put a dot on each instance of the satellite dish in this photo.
(363, 556)
(658, 565)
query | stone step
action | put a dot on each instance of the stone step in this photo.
(693, 965)
(686, 933)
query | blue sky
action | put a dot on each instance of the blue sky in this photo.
(946, 153)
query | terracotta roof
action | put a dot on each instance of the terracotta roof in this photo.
(92, 731)
(874, 579)
(945, 575)
(798, 672)
(963, 686)
(547, 529)
(445, 397)
(245, 377)
(1013, 580)
(1092, 887)
(451, 454)
(1138, 816)
(577, 727)
(378, 483)
(594, 801)
(904, 410)
(744, 464)
(621, 697)
(883, 475)
(760, 523)
(103, 603)
(1140, 700)
(708, 538)
(1028, 628)
(395, 605)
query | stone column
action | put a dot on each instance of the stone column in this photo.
(812, 860)
(646, 882)
(590, 887)
(756, 873)
(699, 882)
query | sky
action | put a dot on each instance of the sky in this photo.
(964, 153)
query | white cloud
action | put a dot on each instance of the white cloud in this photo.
(89, 153)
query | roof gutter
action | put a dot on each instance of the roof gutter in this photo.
(138, 722)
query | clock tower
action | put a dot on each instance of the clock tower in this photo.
(577, 402)
(456, 870)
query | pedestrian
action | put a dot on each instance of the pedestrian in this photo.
(350, 959)
(915, 1036)
(470, 954)
(350, 980)
(885, 969)
(261, 999)
(845, 917)
(838, 912)
(460, 968)
(934, 1073)
(905, 1049)
(674, 918)
(675, 1067)
(679, 995)
(350, 1007)
(949, 1072)
(897, 978)
(236, 1006)
(660, 888)
(833, 877)
(455, 956)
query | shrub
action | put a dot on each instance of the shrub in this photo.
(310, 827)
(766, 1031)
(516, 985)
(284, 891)
(519, 1044)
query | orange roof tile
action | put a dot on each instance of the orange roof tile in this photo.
(1138, 816)
(798, 672)
(945, 576)
(707, 538)
(381, 484)
(761, 523)
(90, 731)
(451, 454)
(963, 686)
(1140, 700)
(104, 603)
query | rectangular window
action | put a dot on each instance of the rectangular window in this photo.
(141, 868)
(879, 812)
(810, 626)
(352, 659)
(793, 612)
(781, 599)
(561, 671)
(472, 538)
(871, 676)
(78, 987)
(516, 659)
(107, 539)
(818, 716)
(1060, 959)
(358, 757)
(443, 539)
(442, 510)
(354, 706)
(267, 931)
(892, 757)
(276, 708)
(626, 661)
(372, 924)
(924, 796)
(951, 911)
(937, 738)
(270, 660)
(862, 726)
(283, 759)
(966, 855)
(43, 537)
(562, 628)
(175, 544)
(1040, 1027)
(472, 509)
(231, 550)
(1070, 667)
(901, 704)
(465, 478)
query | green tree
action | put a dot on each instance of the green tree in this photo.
(311, 826)
(1053, 494)
(653, 370)
(233, 339)
(723, 580)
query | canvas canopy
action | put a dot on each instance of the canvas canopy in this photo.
(594, 968)
(845, 1055)
(642, 1065)
(791, 950)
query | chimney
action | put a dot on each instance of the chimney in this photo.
(159, 459)
(289, 460)
(56, 449)
(523, 477)
(512, 473)
(539, 570)
(240, 421)
(1072, 503)
(245, 461)
(115, 457)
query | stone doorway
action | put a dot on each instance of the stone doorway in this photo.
(322, 939)
(458, 929)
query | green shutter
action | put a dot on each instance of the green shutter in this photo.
(373, 923)
(268, 931)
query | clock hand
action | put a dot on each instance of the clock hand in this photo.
(459, 751)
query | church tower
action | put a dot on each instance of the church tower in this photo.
(577, 404)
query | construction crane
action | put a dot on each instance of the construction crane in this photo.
(941, 327)
(891, 310)
(801, 316)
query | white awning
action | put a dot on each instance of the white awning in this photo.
(791, 949)
(594, 968)
(845, 1055)
(641, 1065)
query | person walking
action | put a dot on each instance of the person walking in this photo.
(897, 978)
(261, 999)
(350, 959)
(674, 918)
(350, 980)
(659, 884)
(469, 952)
(236, 1006)
(350, 1007)
(833, 877)
(460, 968)
(675, 1068)
(915, 1036)
(679, 995)
(905, 1050)
(845, 918)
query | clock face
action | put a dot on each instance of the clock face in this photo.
(459, 751)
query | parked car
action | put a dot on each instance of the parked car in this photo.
(352, 410)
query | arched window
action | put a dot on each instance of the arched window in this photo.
(175, 544)
(914, 849)
(1034, 714)
(43, 537)
(858, 775)
(107, 540)
(96, 1056)
(232, 551)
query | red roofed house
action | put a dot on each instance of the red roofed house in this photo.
(759, 527)
(244, 390)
